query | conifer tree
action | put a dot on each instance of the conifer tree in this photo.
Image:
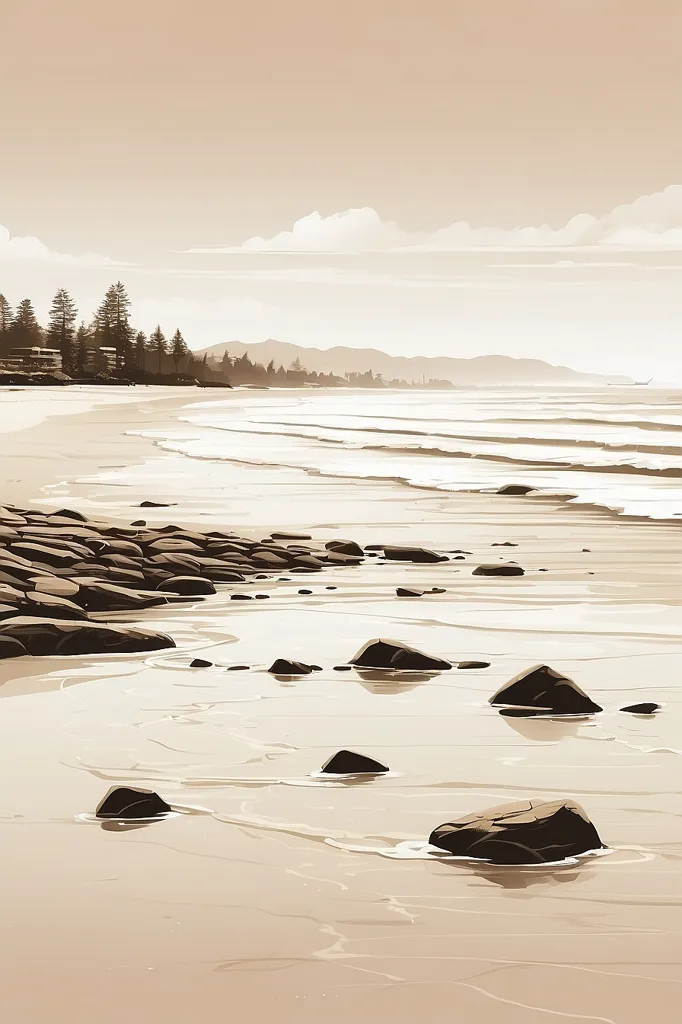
(82, 348)
(178, 349)
(25, 329)
(5, 323)
(60, 332)
(140, 349)
(113, 323)
(158, 343)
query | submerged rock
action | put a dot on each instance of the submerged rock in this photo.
(392, 654)
(642, 709)
(518, 489)
(407, 554)
(284, 667)
(128, 803)
(506, 569)
(543, 689)
(156, 504)
(347, 762)
(527, 832)
(44, 637)
(473, 664)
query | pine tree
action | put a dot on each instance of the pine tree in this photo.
(82, 347)
(158, 344)
(113, 323)
(25, 329)
(140, 349)
(5, 324)
(60, 332)
(178, 349)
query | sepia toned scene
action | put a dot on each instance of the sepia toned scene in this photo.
(340, 553)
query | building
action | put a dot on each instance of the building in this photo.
(35, 358)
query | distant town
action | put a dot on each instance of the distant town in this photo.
(109, 349)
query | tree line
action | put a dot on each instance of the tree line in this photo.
(79, 343)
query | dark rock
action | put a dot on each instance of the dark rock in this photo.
(128, 803)
(200, 663)
(290, 536)
(506, 569)
(343, 668)
(347, 762)
(69, 513)
(262, 597)
(345, 547)
(374, 547)
(44, 637)
(405, 554)
(305, 592)
(642, 709)
(392, 654)
(241, 597)
(139, 522)
(437, 590)
(225, 576)
(107, 597)
(542, 689)
(8, 610)
(306, 562)
(405, 592)
(283, 667)
(44, 554)
(473, 664)
(527, 832)
(586, 551)
(338, 558)
(52, 607)
(331, 588)
(504, 544)
(262, 576)
(190, 586)
(173, 544)
(11, 648)
(271, 560)
(518, 489)
(157, 504)
(238, 668)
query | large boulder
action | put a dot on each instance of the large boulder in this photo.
(51, 606)
(45, 637)
(131, 803)
(187, 586)
(407, 554)
(527, 832)
(392, 654)
(345, 547)
(544, 690)
(285, 667)
(107, 597)
(347, 762)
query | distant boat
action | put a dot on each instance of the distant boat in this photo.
(634, 383)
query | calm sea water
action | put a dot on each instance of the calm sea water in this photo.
(620, 448)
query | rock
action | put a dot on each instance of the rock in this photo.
(107, 597)
(8, 610)
(262, 597)
(527, 832)
(190, 586)
(642, 709)
(437, 590)
(306, 592)
(338, 558)
(405, 592)
(11, 648)
(347, 762)
(343, 668)
(392, 654)
(504, 544)
(506, 569)
(139, 522)
(130, 803)
(69, 513)
(405, 554)
(55, 586)
(331, 588)
(270, 560)
(473, 664)
(241, 597)
(200, 663)
(542, 689)
(283, 667)
(345, 547)
(157, 504)
(10, 594)
(52, 607)
(52, 556)
(518, 489)
(291, 536)
(45, 637)
(237, 668)
(309, 562)
(173, 544)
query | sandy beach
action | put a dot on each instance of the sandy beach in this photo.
(280, 893)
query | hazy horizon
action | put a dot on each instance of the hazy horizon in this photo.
(441, 179)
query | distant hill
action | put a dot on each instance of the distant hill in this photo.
(480, 370)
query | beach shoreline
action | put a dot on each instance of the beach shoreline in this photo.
(286, 894)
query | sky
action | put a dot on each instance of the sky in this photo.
(442, 177)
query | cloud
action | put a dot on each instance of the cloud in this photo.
(650, 222)
(29, 248)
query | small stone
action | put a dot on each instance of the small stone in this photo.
(157, 504)
(642, 709)
(200, 663)
(405, 592)
(283, 667)
(343, 668)
(406, 554)
(240, 597)
(128, 803)
(331, 588)
(473, 664)
(347, 762)
(238, 668)
(508, 569)
(262, 597)
(139, 522)
(305, 592)
(515, 489)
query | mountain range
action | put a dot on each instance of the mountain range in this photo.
(479, 370)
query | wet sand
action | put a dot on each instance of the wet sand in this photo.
(277, 893)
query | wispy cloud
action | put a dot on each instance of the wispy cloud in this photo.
(27, 248)
(650, 222)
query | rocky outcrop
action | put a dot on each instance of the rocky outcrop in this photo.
(528, 832)
(642, 709)
(127, 803)
(284, 667)
(41, 637)
(347, 762)
(392, 654)
(543, 690)
(407, 554)
(505, 569)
